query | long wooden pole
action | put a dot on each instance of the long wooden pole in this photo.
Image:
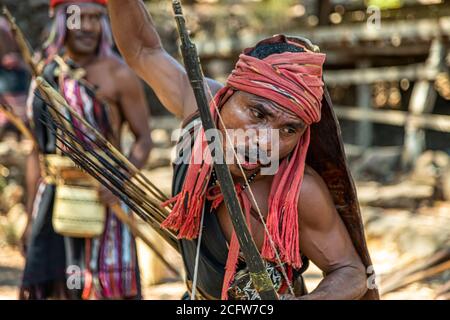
(54, 95)
(95, 172)
(258, 272)
(45, 87)
(395, 118)
(134, 228)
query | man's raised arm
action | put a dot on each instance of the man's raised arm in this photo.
(140, 45)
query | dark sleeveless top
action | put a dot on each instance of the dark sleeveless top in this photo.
(214, 246)
(214, 249)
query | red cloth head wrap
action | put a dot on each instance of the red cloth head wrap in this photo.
(54, 3)
(293, 80)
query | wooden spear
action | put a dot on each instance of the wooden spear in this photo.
(260, 277)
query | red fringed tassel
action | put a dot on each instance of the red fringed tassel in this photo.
(176, 218)
(234, 248)
(290, 237)
(282, 220)
(191, 224)
(230, 268)
(186, 214)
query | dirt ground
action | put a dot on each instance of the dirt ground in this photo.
(12, 262)
(404, 224)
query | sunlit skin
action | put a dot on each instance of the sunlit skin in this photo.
(323, 237)
(85, 41)
(249, 112)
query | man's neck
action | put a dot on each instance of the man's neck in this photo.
(81, 60)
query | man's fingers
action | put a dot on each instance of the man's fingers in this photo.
(23, 250)
(107, 197)
(24, 242)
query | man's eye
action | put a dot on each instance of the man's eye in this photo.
(288, 130)
(256, 113)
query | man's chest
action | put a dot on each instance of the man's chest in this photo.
(260, 191)
(103, 81)
(107, 90)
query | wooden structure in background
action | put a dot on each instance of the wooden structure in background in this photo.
(354, 52)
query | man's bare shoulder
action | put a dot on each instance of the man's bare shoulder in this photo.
(119, 70)
(313, 183)
(212, 87)
(316, 206)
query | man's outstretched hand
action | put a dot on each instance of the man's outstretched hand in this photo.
(107, 197)
(25, 238)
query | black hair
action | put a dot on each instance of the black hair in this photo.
(266, 49)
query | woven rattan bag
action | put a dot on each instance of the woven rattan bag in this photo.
(77, 211)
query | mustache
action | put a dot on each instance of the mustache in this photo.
(252, 153)
(86, 35)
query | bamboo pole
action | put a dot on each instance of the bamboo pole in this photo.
(24, 47)
(91, 166)
(424, 30)
(412, 72)
(395, 118)
(131, 223)
(128, 185)
(16, 121)
(56, 100)
(61, 102)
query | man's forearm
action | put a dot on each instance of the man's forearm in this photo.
(133, 27)
(140, 152)
(32, 177)
(346, 283)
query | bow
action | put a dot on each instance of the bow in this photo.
(257, 269)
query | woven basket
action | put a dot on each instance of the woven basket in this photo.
(77, 212)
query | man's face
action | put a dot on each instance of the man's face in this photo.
(249, 112)
(85, 40)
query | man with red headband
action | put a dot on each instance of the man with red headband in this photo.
(306, 210)
(82, 66)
